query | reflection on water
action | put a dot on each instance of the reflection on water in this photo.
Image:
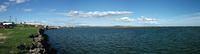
(163, 40)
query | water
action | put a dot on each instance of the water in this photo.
(161, 40)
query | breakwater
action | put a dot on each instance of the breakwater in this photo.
(40, 44)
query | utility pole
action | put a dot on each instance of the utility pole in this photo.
(15, 20)
(10, 19)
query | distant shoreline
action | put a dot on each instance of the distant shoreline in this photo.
(126, 26)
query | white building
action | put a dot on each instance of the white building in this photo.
(7, 23)
(33, 23)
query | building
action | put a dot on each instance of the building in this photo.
(7, 24)
(1, 25)
(33, 24)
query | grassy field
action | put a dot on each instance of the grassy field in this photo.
(11, 38)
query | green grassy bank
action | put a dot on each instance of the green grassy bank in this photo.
(14, 37)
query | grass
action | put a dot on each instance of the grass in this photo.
(16, 36)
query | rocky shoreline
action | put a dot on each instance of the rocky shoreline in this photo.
(41, 45)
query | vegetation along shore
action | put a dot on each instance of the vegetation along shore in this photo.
(24, 39)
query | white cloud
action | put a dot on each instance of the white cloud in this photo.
(97, 13)
(83, 24)
(11, 0)
(27, 10)
(125, 19)
(142, 19)
(3, 8)
(18, 1)
(147, 20)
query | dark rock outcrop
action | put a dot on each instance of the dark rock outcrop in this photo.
(40, 44)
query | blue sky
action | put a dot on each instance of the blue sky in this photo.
(103, 12)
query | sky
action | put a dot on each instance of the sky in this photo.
(103, 12)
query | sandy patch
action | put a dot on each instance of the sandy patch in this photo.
(2, 38)
(1, 34)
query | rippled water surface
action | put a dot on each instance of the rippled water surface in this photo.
(96, 40)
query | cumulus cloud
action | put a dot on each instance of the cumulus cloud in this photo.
(142, 19)
(125, 19)
(11, 0)
(148, 20)
(27, 10)
(3, 8)
(97, 13)
(18, 1)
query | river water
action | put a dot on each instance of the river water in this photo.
(102, 40)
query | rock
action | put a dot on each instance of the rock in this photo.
(21, 47)
(40, 44)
